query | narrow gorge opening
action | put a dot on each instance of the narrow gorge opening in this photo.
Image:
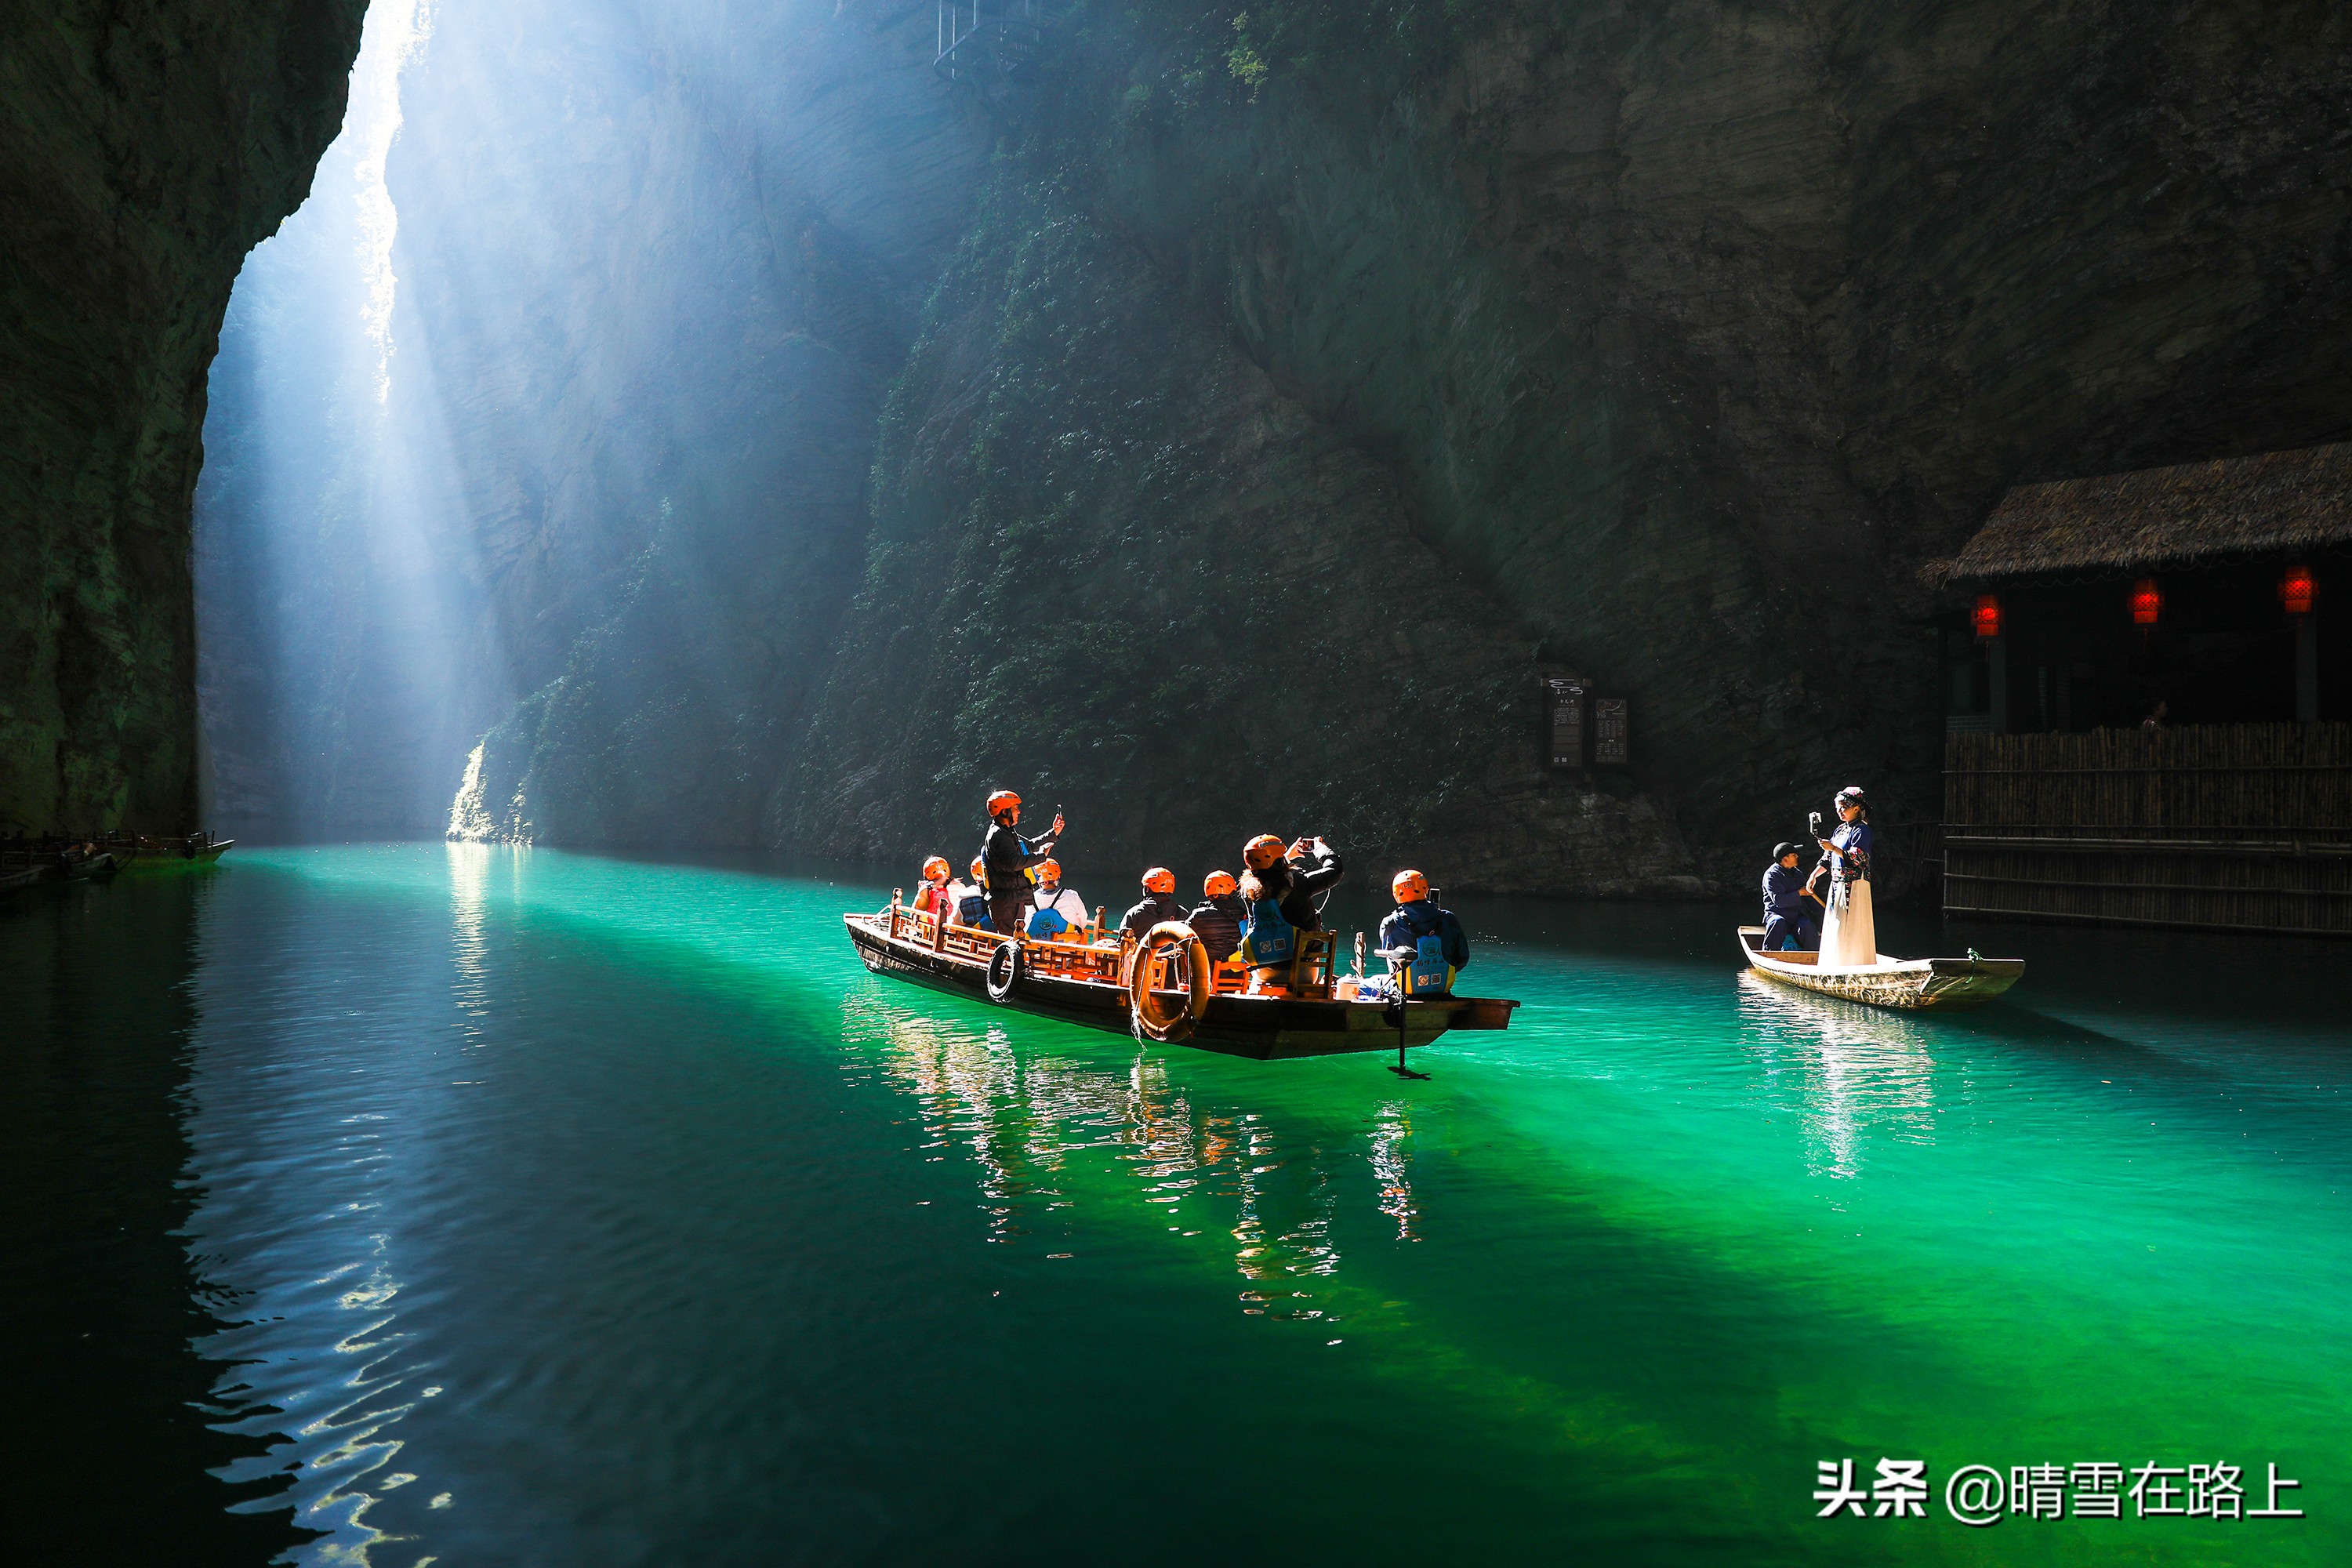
(341, 650)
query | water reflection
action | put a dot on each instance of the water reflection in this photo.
(1845, 1072)
(1392, 1162)
(345, 1388)
(469, 875)
(1039, 1127)
(115, 1442)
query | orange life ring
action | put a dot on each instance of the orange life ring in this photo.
(1145, 1006)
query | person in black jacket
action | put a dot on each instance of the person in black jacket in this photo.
(1010, 862)
(1292, 876)
(1217, 921)
(1159, 903)
(1287, 880)
(1788, 925)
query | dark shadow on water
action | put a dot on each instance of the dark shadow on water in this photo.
(110, 1453)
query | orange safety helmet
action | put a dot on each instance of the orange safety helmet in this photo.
(1001, 800)
(936, 869)
(1160, 879)
(1410, 886)
(1260, 853)
(977, 873)
(1218, 883)
(1050, 871)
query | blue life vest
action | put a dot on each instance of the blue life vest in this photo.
(1047, 924)
(1267, 939)
(1424, 974)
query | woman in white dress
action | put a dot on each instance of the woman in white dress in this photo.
(1849, 934)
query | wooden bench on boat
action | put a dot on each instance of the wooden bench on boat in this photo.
(1094, 983)
(1946, 984)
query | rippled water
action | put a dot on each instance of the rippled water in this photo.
(545, 1209)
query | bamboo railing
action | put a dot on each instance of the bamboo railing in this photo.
(2223, 826)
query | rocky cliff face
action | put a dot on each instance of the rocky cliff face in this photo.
(143, 151)
(1660, 342)
(1238, 444)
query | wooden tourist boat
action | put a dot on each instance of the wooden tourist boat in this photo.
(1181, 997)
(26, 863)
(137, 852)
(1949, 985)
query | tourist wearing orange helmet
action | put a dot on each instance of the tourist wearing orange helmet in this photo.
(1426, 946)
(933, 895)
(1159, 903)
(1054, 912)
(1278, 893)
(1292, 876)
(1011, 862)
(1217, 918)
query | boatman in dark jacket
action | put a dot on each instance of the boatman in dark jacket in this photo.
(1439, 948)
(1010, 862)
(1159, 904)
(1788, 925)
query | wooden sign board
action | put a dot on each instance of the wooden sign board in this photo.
(1564, 714)
(1611, 740)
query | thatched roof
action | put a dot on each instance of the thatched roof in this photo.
(2280, 501)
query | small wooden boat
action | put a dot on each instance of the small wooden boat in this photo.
(27, 863)
(1949, 985)
(1097, 984)
(143, 854)
(16, 878)
(25, 868)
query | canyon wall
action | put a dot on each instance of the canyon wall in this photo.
(143, 151)
(1224, 423)
(1422, 351)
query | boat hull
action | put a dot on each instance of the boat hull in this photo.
(1263, 1028)
(142, 860)
(1913, 984)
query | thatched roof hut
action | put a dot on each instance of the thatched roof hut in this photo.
(2280, 502)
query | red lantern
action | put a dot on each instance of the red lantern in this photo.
(2147, 603)
(2297, 589)
(1987, 617)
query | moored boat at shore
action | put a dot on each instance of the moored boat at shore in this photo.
(140, 852)
(125, 851)
(1948, 985)
(1097, 984)
(26, 863)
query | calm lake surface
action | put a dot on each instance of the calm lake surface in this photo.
(474, 1205)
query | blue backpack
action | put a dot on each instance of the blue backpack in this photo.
(1268, 939)
(972, 909)
(1425, 972)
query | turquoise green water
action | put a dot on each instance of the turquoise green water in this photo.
(551, 1209)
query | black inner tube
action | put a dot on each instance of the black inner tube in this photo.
(1004, 971)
